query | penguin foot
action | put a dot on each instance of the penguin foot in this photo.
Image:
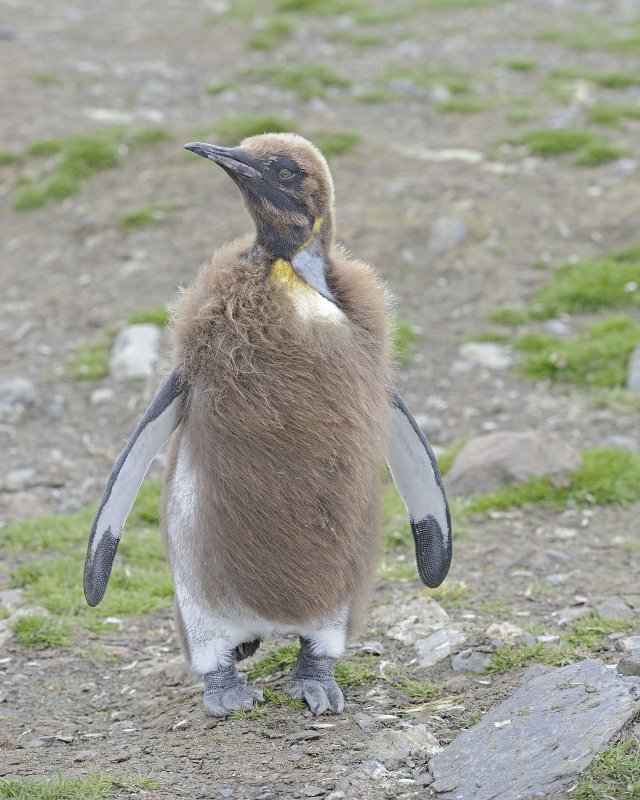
(226, 691)
(313, 681)
(320, 696)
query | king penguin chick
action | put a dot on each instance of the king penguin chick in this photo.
(283, 412)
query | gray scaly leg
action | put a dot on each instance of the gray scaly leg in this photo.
(226, 691)
(313, 681)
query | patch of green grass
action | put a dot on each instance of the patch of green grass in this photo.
(606, 477)
(445, 461)
(153, 134)
(257, 712)
(233, 128)
(523, 113)
(467, 104)
(154, 315)
(448, 5)
(395, 525)
(90, 362)
(147, 215)
(590, 631)
(458, 83)
(140, 581)
(614, 774)
(590, 148)
(45, 147)
(605, 80)
(587, 286)
(612, 115)
(306, 80)
(5, 611)
(275, 31)
(624, 44)
(7, 157)
(280, 659)
(490, 336)
(450, 595)
(597, 357)
(421, 690)
(373, 96)
(520, 64)
(34, 630)
(514, 656)
(88, 787)
(337, 143)
(45, 77)
(405, 335)
(472, 719)
(351, 673)
(579, 37)
(223, 86)
(513, 317)
(359, 40)
(277, 698)
(327, 8)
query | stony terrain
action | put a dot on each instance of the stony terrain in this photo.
(459, 222)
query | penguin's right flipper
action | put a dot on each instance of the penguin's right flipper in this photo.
(156, 426)
(415, 472)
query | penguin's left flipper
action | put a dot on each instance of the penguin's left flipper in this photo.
(156, 426)
(415, 472)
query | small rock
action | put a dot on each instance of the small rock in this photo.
(12, 597)
(633, 371)
(615, 441)
(301, 736)
(18, 479)
(526, 639)
(438, 645)
(557, 327)
(43, 741)
(505, 631)
(488, 354)
(100, 396)
(446, 233)
(374, 647)
(556, 578)
(394, 748)
(548, 638)
(17, 391)
(226, 792)
(135, 352)
(84, 755)
(365, 722)
(470, 661)
(28, 611)
(569, 614)
(614, 607)
(630, 665)
(628, 644)
(496, 460)
(313, 791)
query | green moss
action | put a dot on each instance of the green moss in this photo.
(223, 86)
(153, 134)
(90, 362)
(614, 774)
(605, 80)
(147, 215)
(600, 153)
(275, 31)
(421, 690)
(35, 630)
(447, 5)
(598, 357)
(45, 78)
(327, 8)
(235, 127)
(549, 142)
(606, 477)
(280, 659)
(359, 40)
(140, 581)
(405, 335)
(579, 37)
(373, 96)
(520, 64)
(88, 787)
(513, 317)
(306, 80)
(490, 336)
(7, 158)
(336, 143)
(520, 114)
(612, 115)
(588, 286)
(155, 315)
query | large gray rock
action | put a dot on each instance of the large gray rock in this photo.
(446, 233)
(538, 740)
(633, 372)
(495, 460)
(135, 352)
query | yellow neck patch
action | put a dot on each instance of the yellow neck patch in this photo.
(309, 303)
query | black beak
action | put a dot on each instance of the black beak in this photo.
(227, 157)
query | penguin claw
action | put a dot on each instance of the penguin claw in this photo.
(320, 696)
(238, 698)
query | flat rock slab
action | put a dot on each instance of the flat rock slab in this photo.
(539, 739)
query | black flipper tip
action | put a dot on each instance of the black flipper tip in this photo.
(433, 558)
(97, 570)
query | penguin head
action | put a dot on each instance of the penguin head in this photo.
(286, 186)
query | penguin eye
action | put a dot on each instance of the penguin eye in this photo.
(285, 173)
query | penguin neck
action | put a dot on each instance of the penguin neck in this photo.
(275, 245)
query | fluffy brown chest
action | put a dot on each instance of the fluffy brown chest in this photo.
(286, 425)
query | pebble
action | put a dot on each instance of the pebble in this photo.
(628, 644)
(525, 638)
(393, 748)
(438, 645)
(469, 660)
(100, 396)
(614, 607)
(495, 460)
(18, 479)
(84, 755)
(17, 391)
(487, 354)
(633, 371)
(135, 352)
(569, 614)
(313, 791)
(301, 736)
(445, 234)
(548, 638)
(557, 327)
(226, 792)
(365, 722)
(505, 631)
(630, 665)
(12, 597)
(615, 441)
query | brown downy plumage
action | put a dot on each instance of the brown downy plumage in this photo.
(286, 417)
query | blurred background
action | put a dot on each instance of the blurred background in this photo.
(485, 156)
